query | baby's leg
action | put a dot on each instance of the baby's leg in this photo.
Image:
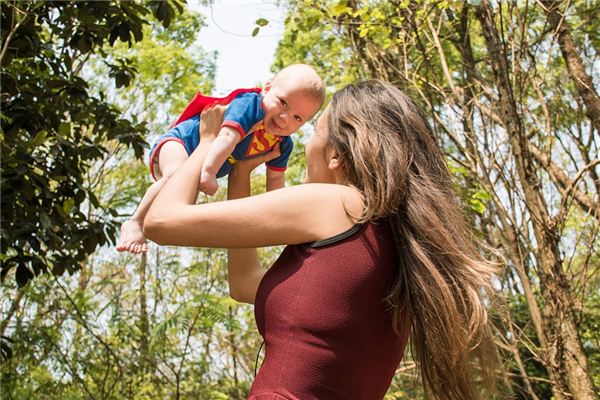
(172, 155)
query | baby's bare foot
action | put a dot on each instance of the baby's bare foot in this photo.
(132, 239)
(208, 183)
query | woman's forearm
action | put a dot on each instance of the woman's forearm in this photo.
(244, 269)
(238, 183)
(181, 189)
(275, 180)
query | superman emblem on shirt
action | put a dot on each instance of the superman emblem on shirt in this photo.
(261, 141)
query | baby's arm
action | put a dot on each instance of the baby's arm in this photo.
(275, 179)
(218, 152)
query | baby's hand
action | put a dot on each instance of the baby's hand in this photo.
(208, 183)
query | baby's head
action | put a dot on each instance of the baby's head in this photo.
(291, 99)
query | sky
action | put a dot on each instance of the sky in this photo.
(242, 60)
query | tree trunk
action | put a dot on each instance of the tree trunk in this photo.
(14, 308)
(234, 356)
(509, 234)
(564, 358)
(144, 325)
(582, 81)
(77, 336)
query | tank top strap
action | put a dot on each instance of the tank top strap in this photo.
(337, 238)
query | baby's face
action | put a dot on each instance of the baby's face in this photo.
(287, 107)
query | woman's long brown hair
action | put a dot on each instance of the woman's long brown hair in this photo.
(389, 154)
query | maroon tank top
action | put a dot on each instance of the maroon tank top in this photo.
(327, 329)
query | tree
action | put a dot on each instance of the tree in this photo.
(53, 129)
(124, 327)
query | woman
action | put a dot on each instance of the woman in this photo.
(377, 251)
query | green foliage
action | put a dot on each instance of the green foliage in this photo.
(260, 23)
(86, 336)
(170, 70)
(54, 130)
(83, 83)
(311, 38)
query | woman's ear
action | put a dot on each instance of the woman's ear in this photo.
(334, 162)
(335, 167)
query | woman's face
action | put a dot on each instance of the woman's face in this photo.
(319, 153)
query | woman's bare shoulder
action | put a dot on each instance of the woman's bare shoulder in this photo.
(340, 205)
(353, 202)
(329, 191)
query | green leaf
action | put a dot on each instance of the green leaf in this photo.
(137, 33)
(64, 129)
(161, 12)
(39, 138)
(114, 34)
(339, 9)
(45, 220)
(124, 32)
(23, 275)
(84, 43)
(255, 31)
(58, 269)
(262, 22)
(68, 205)
(121, 79)
(90, 243)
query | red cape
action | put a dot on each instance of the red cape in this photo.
(200, 101)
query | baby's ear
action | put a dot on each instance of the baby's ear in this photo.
(267, 87)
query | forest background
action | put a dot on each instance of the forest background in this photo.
(510, 87)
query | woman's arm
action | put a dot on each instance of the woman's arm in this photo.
(275, 179)
(297, 214)
(291, 215)
(244, 268)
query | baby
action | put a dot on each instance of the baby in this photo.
(255, 121)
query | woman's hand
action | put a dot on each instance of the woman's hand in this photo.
(239, 177)
(248, 165)
(211, 120)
